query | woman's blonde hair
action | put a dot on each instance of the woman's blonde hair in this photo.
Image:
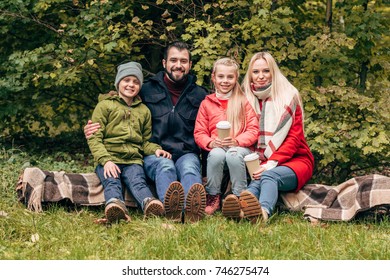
(282, 91)
(235, 112)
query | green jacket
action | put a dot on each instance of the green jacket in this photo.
(125, 131)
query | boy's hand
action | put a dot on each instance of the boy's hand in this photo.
(90, 128)
(111, 170)
(163, 153)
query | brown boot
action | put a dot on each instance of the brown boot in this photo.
(195, 203)
(251, 207)
(115, 211)
(153, 207)
(231, 207)
(174, 201)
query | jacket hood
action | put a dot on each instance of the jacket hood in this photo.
(113, 95)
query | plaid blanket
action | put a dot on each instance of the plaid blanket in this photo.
(36, 186)
(341, 202)
(318, 202)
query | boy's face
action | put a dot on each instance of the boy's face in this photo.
(129, 87)
(178, 64)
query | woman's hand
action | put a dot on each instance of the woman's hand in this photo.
(257, 174)
(163, 153)
(111, 170)
(90, 128)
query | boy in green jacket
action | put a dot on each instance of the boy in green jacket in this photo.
(121, 143)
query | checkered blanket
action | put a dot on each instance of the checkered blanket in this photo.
(318, 202)
(341, 202)
(36, 186)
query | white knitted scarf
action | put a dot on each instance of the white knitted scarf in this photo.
(223, 96)
(273, 130)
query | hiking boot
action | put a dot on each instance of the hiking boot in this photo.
(153, 207)
(174, 201)
(115, 211)
(251, 207)
(195, 203)
(231, 207)
(212, 203)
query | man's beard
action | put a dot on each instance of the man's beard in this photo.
(182, 80)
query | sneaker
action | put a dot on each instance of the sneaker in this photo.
(251, 207)
(212, 203)
(231, 207)
(174, 201)
(153, 207)
(195, 203)
(115, 211)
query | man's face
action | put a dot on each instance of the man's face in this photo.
(177, 65)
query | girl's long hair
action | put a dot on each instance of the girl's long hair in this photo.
(282, 91)
(235, 112)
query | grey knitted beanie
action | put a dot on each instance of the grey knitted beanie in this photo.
(129, 69)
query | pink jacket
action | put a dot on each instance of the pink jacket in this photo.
(211, 112)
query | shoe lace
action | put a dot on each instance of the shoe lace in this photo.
(211, 199)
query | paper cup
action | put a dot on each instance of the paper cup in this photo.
(223, 128)
(252, 163)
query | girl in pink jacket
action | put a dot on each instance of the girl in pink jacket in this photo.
(227, 104)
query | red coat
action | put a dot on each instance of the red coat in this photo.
(211, 112)
(295, 153)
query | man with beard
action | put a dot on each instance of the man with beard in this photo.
(173, 98)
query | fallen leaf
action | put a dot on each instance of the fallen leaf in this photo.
(3, 214)
(35, 237)
(167, 226)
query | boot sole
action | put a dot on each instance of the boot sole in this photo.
(231, 207)
(154, 209)
(251, 207)
(195, 203)
(114, 213)
(174, 201)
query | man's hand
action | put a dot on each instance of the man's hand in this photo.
(90, 128)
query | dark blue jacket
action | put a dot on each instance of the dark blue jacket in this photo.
(173, 126)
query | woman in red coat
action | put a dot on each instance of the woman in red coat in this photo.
(286, 160)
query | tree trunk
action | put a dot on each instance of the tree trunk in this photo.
(329, 14)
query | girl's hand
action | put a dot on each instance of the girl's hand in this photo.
(229, 142)
(90, 128)
(216, 143)
(163, 153)
(257, 174)
(111, 170)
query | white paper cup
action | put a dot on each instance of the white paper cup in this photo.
(223, 128)
(252, 163)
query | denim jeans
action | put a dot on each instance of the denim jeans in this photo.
(219, 160)
(164, 171)
(280, 178)
(133, 178)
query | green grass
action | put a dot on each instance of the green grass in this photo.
(70, 233)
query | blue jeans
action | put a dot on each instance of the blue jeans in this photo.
(280, 178)
(219, 160)
(133, 178)
(164, 171)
